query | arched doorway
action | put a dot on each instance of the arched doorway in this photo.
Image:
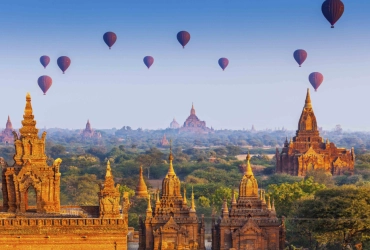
(30, 199)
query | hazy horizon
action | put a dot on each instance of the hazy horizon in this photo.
(262, 86)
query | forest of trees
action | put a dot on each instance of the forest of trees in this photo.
(322, 211)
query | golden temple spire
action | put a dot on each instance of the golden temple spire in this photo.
(273, 205)
(248, 169)
(149, 208)
(268, 203)
(261, 195)
(28, 124)
(185, 201)
(264, 197)
(157, 202)
(192, 111)
(171, 171)
(192, 209)
(308, 100)
(109, 170)
(225, 209)
(233, 201)
(141, 189)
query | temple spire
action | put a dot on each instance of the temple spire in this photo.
(308, 103)
(109, 170)
(149, 208)
(185, 201)
(171, 171)
(248, 169)
(141, 189)
(268, 203)
(28, 124)
(192, 111)
(192, 209)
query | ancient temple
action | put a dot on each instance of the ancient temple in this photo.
(194, 124)
(164, 141)
(307, 151)
(30, 169)
(109, 196)
(250, 222)
(48, 225)
(6, 135)
(88, 132)
(171, 224)
(141, 189)
(174, 124)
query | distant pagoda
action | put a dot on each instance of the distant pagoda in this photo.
(174, 124)
(141, 189)
(164, 141)
(194, 124)
(88, 132)
(6, 135)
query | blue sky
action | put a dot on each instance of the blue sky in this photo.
(262, 85)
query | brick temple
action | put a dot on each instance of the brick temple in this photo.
(194, 125)
(307, 151)
(250, 222)
(171, 224)
(48, 225)
(6, 136)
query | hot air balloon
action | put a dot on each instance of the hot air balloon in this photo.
(63, 63)
(183, 37)
(44, 83)
(316, 79)
(223, 62)
(44, 60)
(332, 10)
(300, 56)
(148, 61)
(110, 38)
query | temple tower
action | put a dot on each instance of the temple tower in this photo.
(109, 196)
(30, 169)
(6, 135)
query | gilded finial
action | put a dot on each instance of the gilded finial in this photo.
(171, 171)
(192, 209)
(308, 100)
(109, 170)
(268, 203)
(157, 201)
(149, 208)
(264, 197)
(225, 209)
(273, 206)
(261, 195)
(234, 199)
(248, 169)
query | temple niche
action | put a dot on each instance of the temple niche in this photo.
(307, 151)
(194, 125)
(251, 222)
(6, 136)
(172, 224)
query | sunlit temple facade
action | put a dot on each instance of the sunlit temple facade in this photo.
(307, 151)
(250, 223)
(171, 223)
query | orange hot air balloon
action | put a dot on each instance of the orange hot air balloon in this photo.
(44, 83)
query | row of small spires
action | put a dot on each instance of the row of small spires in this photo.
(158, 202)
(291, 140)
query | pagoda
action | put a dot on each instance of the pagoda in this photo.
(250, 222)
(6, 135)
(307, 151)
(171, 224)
(174, 124)
(194, 124)
(88, 132)
(164, 141)
(141, 189)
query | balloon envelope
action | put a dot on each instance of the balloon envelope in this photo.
(183, 37)
(148, 61)
(223, 62)
(110, 38)
(63, 63)
(332, 10)
(44, 83)
(300, 56)
(44, 60)
(316, 79)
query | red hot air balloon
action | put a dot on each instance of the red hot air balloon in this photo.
(44, 60)
(183, 37)
(44, 83)
(316, 79)
(63, 63)
(110, 38)
(332, 10)
(148, 61)
(300, 56)
(223, 62)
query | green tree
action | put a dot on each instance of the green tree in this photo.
(204, 202)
